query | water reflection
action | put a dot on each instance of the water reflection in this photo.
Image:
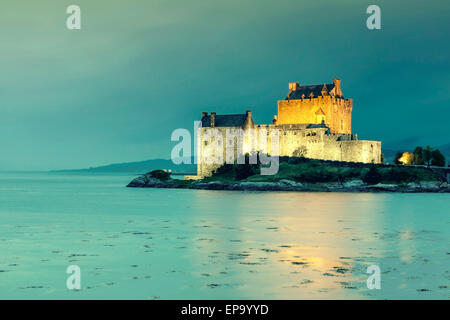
(175, 244)
(307, 240)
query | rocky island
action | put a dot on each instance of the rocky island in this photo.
(300, 174)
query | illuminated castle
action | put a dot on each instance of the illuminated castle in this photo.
(316, 104)
(313, 121)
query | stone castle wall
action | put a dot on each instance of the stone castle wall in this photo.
(318, 144)
(294, 140)
(208, 148)
(338, 112)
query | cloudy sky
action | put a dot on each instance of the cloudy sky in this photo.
(116, 89)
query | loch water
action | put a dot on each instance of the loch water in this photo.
(197, 244)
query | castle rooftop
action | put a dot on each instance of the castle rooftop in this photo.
(224, 120)
(316, 90)
(297, 92)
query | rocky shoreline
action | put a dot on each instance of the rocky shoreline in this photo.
(147, 181)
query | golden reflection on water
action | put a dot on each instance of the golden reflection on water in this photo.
(310, 239)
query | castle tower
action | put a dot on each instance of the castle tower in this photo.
(314, 104)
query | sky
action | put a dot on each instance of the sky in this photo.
(137, 70)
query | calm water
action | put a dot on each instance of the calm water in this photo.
(175, 244)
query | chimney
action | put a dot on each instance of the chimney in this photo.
(337, 85)
(293, 86)
(248, 123)
(213, 119)
(204, 114)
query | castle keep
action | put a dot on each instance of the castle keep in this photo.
(313, 121)
(317, 103)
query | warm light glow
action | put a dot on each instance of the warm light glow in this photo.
(406, 158)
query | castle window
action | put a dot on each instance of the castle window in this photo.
(206, 143)
(285, 133)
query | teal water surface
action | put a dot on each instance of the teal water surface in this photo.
(197, 244)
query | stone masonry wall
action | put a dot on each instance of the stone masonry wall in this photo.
(295, 140)
(338, 112)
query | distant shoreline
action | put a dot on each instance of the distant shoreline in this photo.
(138, 167)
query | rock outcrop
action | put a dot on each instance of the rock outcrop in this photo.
(149, 181)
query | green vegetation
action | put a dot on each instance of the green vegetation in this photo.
(314, 171)
(427, 155)
(237, 172)
(437, 158)
(421, 156)
(372, 176)
(304, 170)
(159, 174)
(418, 156)
(406, 175)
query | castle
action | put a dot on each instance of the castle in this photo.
(313, 121)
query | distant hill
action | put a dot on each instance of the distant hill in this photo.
(138, 167)
(149, 165)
